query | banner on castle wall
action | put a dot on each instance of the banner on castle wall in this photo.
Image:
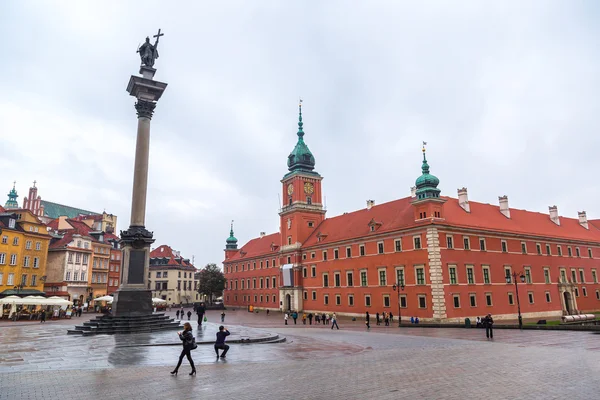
(288, 274)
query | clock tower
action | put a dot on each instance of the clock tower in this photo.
(302, 209)
(301, 212)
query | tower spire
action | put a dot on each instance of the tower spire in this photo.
(300, 123)
(301, 159)
(12, 198)
(427, 184)
(231, 242)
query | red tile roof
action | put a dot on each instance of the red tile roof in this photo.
(399, 214)
(258, 247)
(488, 217)
(165, 251)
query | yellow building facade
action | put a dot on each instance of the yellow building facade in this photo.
(24, 244)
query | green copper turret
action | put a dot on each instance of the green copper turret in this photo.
(427, 184)
(12, 198)
(231, 240)
(301, 159)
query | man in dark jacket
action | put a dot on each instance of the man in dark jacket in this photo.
(488, 323)
(220, 342)
(200, 310)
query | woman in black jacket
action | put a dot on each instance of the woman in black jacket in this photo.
(188, 345)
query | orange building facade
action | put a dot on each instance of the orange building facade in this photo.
(430, 256)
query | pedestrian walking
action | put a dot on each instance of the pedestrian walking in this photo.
(317, 318)
(285, 317)
(43, 317)
(200, 311)
(267, 312)
(220, 342)
(391, 317)
(327, 318)
(323, 319)
(223, 316)
(295, 316)
(488, 323)
(177, 314)
(377, 320)
(189, 344)
(303, 318)
(310, 317)
(334, 322)
(189, 314)
(368, 322)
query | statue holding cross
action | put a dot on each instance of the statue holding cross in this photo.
(148, 51)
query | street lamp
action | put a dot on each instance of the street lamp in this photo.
(514, 276)
(399, 288)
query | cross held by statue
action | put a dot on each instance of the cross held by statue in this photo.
(158, 35)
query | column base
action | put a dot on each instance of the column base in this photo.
(132, 303)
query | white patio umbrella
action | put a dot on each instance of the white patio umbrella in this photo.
(58, 301)
(9, 299)
(157, 300)
(104, 298)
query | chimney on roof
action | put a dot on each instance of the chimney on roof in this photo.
(554, 214)
(413, 191)
(463, 199)
(504, 206)
(370, 203)
(583, 219)
(262, 234)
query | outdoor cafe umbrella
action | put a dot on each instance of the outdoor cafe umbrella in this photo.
(157, 300)
(58, 301)
(104, 298)
(9, 299)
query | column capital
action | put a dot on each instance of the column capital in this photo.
(145, 108)
(137, 237)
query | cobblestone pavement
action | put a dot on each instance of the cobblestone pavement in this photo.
(315, 363)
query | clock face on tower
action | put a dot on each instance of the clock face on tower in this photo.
(290, 189)
(309, 188)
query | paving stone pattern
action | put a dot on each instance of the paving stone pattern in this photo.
(314, 363)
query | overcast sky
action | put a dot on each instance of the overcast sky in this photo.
(505, 94)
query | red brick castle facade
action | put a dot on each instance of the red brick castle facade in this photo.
(452, 258)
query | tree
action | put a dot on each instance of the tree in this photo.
(211, 281)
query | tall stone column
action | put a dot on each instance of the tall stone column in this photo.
(134, 297)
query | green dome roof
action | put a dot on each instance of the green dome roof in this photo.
(426, 183)
(12, 198)
(301, 159)
(231, 240)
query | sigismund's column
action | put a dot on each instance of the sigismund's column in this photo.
(134, 298)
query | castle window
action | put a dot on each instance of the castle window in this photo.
(362, 249)
(348, 252)
(548, 250)
(466, 243)
(417, 242)
(449, 242)
(482, 244)
(308, 200)
(290, 200)
(310, 223)
(380, 247)
(504, 246)
(524, 248)
(538, 248)
(559, 250)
